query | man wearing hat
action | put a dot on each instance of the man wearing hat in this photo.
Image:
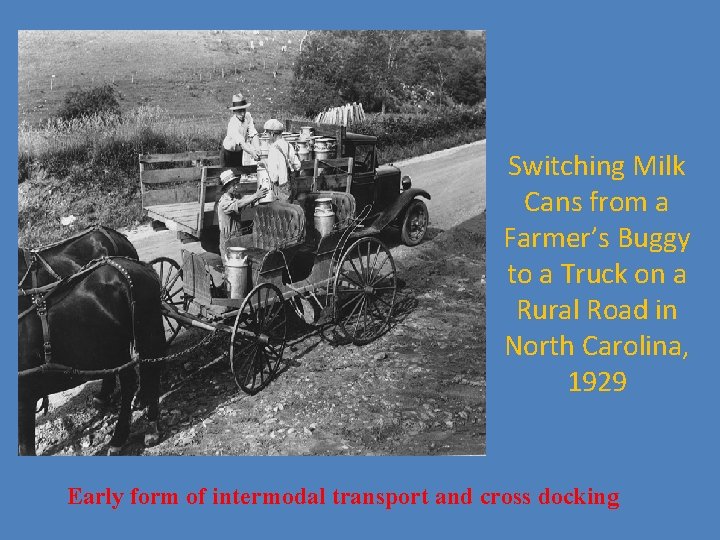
(240, 128)
(229, 206)
(281, 157)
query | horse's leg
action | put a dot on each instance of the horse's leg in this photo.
(104, 396)
(128, 385)
(150, 391)
(26, 423)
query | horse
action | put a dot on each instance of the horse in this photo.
(62, 259)
(85, 327)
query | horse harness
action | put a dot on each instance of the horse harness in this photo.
(33, 259)
(39, 303)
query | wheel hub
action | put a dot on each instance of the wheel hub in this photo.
(368, 289)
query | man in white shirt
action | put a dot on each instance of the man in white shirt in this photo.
(281, 157)
(241, 134)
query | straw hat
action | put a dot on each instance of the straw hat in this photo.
(238, 103)
(274, 125)
(227, 176)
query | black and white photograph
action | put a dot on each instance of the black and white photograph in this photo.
(251, 242)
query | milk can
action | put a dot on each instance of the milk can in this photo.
(324, 216)
(306, 133)
(263, 178)
(303, 150)
(236, 270)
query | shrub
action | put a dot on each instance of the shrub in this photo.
(405, 130)
(85, 103)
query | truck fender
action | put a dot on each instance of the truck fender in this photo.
(398, 207)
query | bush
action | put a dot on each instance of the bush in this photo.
(85, 103)
(405, 130)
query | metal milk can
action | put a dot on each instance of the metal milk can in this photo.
(236, 271)
(324, 216)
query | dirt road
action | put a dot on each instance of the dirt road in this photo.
(418, 390)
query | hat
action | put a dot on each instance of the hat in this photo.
(227, 176)
(274, 125)
(238, 103)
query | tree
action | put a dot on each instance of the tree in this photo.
(376, 68)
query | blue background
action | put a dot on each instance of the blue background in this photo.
(606, 79)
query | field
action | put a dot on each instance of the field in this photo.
(190, 74)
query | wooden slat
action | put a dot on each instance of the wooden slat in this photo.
(201, 201)
(349, 175)
(183, 156)
(164, 176)
(332, 182)
(142, 188)
(178, 194)
(214, 172)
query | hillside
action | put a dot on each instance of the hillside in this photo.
(191, 74)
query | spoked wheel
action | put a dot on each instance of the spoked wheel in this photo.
(258, 338)
(365, 288)
(415, 223)
(171, 292)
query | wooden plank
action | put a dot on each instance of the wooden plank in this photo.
(164, 176)
(214, 172)
(178, 194)
(183, 156)
(184, 212)
(142, 188)
(201, 202)
(349, 175)
(171, 224)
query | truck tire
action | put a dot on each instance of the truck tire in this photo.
(414, 223)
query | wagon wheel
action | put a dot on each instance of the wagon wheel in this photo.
(414, 223)
(255, 358)
(171, 292)
(365, 288)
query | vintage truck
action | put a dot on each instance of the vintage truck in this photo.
(180, 190)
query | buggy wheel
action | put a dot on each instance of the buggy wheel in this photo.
(364, 290)
(415, 223)
(255, 360)
(171, 292)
